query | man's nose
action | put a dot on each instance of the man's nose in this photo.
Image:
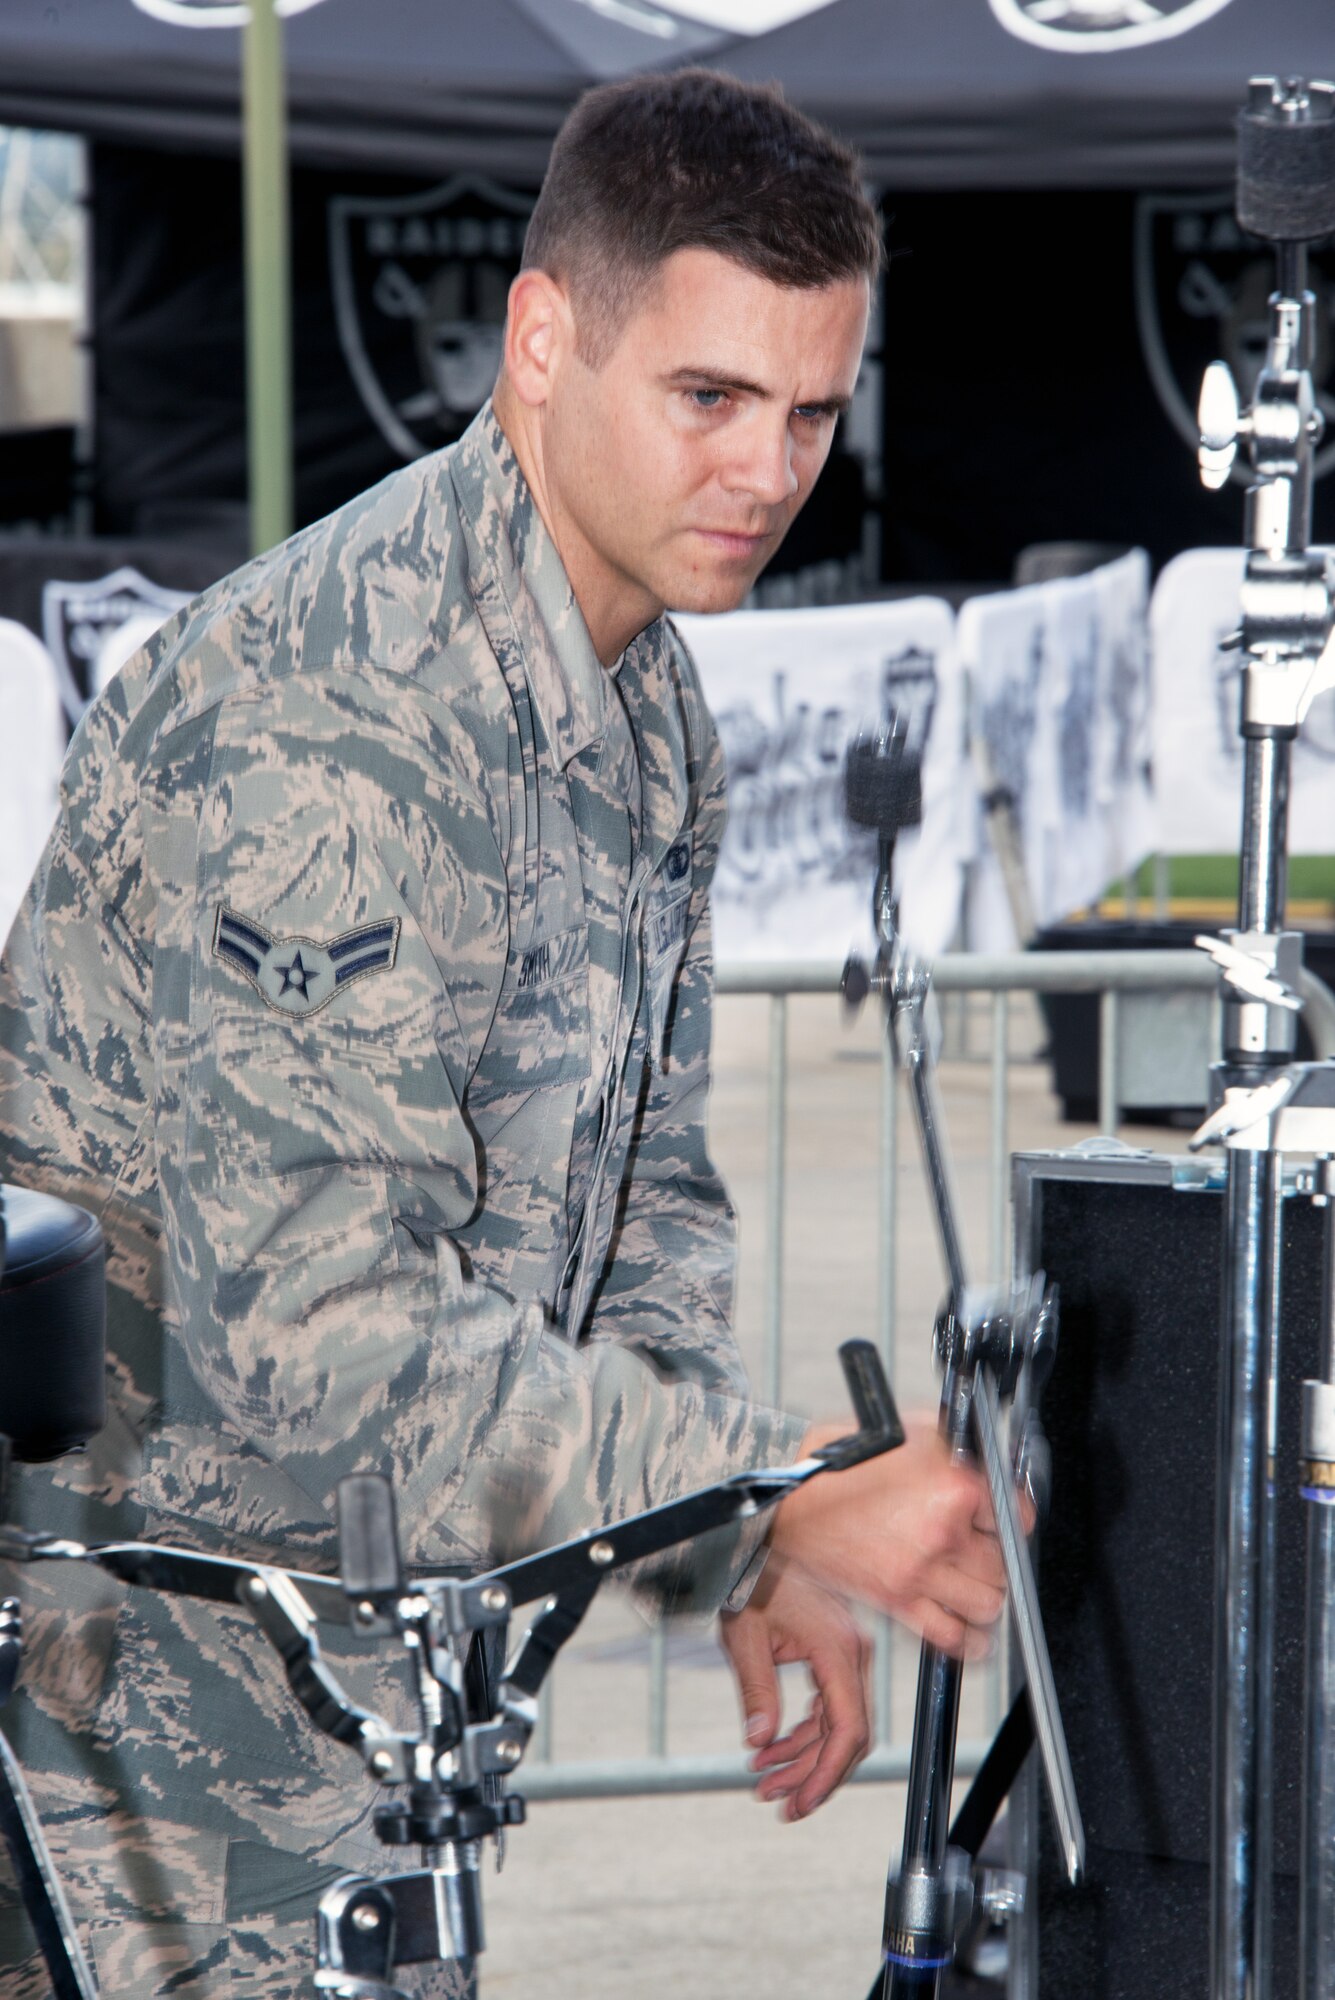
(762, 465)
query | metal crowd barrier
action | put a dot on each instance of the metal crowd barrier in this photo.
(1106, 973)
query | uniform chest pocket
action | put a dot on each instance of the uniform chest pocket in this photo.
(540, 1033)
(666, 917)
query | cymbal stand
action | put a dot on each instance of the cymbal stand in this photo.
(984, 1338)
(1261, 1103)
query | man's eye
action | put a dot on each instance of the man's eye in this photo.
(707, 399)
(815, 414)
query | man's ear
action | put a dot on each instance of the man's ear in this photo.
(538, 332)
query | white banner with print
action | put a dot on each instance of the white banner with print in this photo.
(1059, 697)
(790, 690)
(32, 745)
(1197, 749)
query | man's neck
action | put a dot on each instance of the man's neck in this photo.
(613, 608)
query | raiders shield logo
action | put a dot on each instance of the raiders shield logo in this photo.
(79, 618)
(908, 692)
(420, 284)
(1201, 293)
(1086, 26)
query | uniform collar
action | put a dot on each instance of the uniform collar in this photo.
(511, 539)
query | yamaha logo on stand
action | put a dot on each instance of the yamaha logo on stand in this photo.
(1087, 26)
(420, 285)
(1201, 290)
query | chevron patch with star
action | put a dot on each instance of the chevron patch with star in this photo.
(299, 975)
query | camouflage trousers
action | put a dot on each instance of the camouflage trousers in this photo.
(257, 1961)
(167, 1914)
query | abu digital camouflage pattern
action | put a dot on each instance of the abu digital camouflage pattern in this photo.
(451, 1218)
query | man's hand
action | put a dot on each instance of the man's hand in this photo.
(791, 1618)
(909, 1533)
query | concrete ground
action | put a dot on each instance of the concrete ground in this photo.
(710, 1895)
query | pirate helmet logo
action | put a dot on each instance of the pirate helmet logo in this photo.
(1202, 288)
(80, 617)
(420, 284)
(909, 688)
(1088, 26)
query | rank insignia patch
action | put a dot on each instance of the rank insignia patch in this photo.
(298, 975)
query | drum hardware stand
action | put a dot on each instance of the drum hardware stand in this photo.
(986, 1339)
(1262, 1104)
(21, 1830)
(454, 1762)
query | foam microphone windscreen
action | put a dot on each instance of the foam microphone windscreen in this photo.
(883, 783)
(1286, 170)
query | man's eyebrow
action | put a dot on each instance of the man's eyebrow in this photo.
(719, 378)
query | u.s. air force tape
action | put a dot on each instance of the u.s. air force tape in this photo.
(299, 975)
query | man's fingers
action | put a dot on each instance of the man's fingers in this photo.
(778, 1786)
(969, 1599)
(939, 1627)
(748, 1647)
(776, 1783)
(785, 1748)
(846, 1740)
(985, 1519)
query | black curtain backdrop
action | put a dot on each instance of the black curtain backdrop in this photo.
(934, 93)
(1020, 400)
(1020, 397)
(170, 432)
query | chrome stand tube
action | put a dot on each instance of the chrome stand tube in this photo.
(917, 1060)
(1316, 1870)
(932, 1760)
(1241, 1820)
(1244, 1579)
(1265, 816)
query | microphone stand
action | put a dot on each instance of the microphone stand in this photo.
(985, 1338)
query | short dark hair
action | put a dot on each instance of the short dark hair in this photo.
(694, 160)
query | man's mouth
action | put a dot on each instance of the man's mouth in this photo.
(729, 543)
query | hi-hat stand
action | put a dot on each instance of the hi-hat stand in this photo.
(1262, 1103)
(988, 1341)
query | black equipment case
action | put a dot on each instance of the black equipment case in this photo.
(1126, 1566)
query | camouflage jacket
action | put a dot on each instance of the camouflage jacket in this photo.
(364, 992)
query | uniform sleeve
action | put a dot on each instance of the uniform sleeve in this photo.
(349, 928)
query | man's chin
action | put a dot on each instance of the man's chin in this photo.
(709, 594)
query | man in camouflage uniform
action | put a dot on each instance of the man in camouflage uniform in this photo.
(364, 993)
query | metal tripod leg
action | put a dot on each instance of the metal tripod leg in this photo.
(1028, 1623)
(39, 1885)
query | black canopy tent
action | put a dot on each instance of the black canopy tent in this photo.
(1049, 210)
(934, 93)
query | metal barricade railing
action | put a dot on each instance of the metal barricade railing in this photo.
(1109, 974)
